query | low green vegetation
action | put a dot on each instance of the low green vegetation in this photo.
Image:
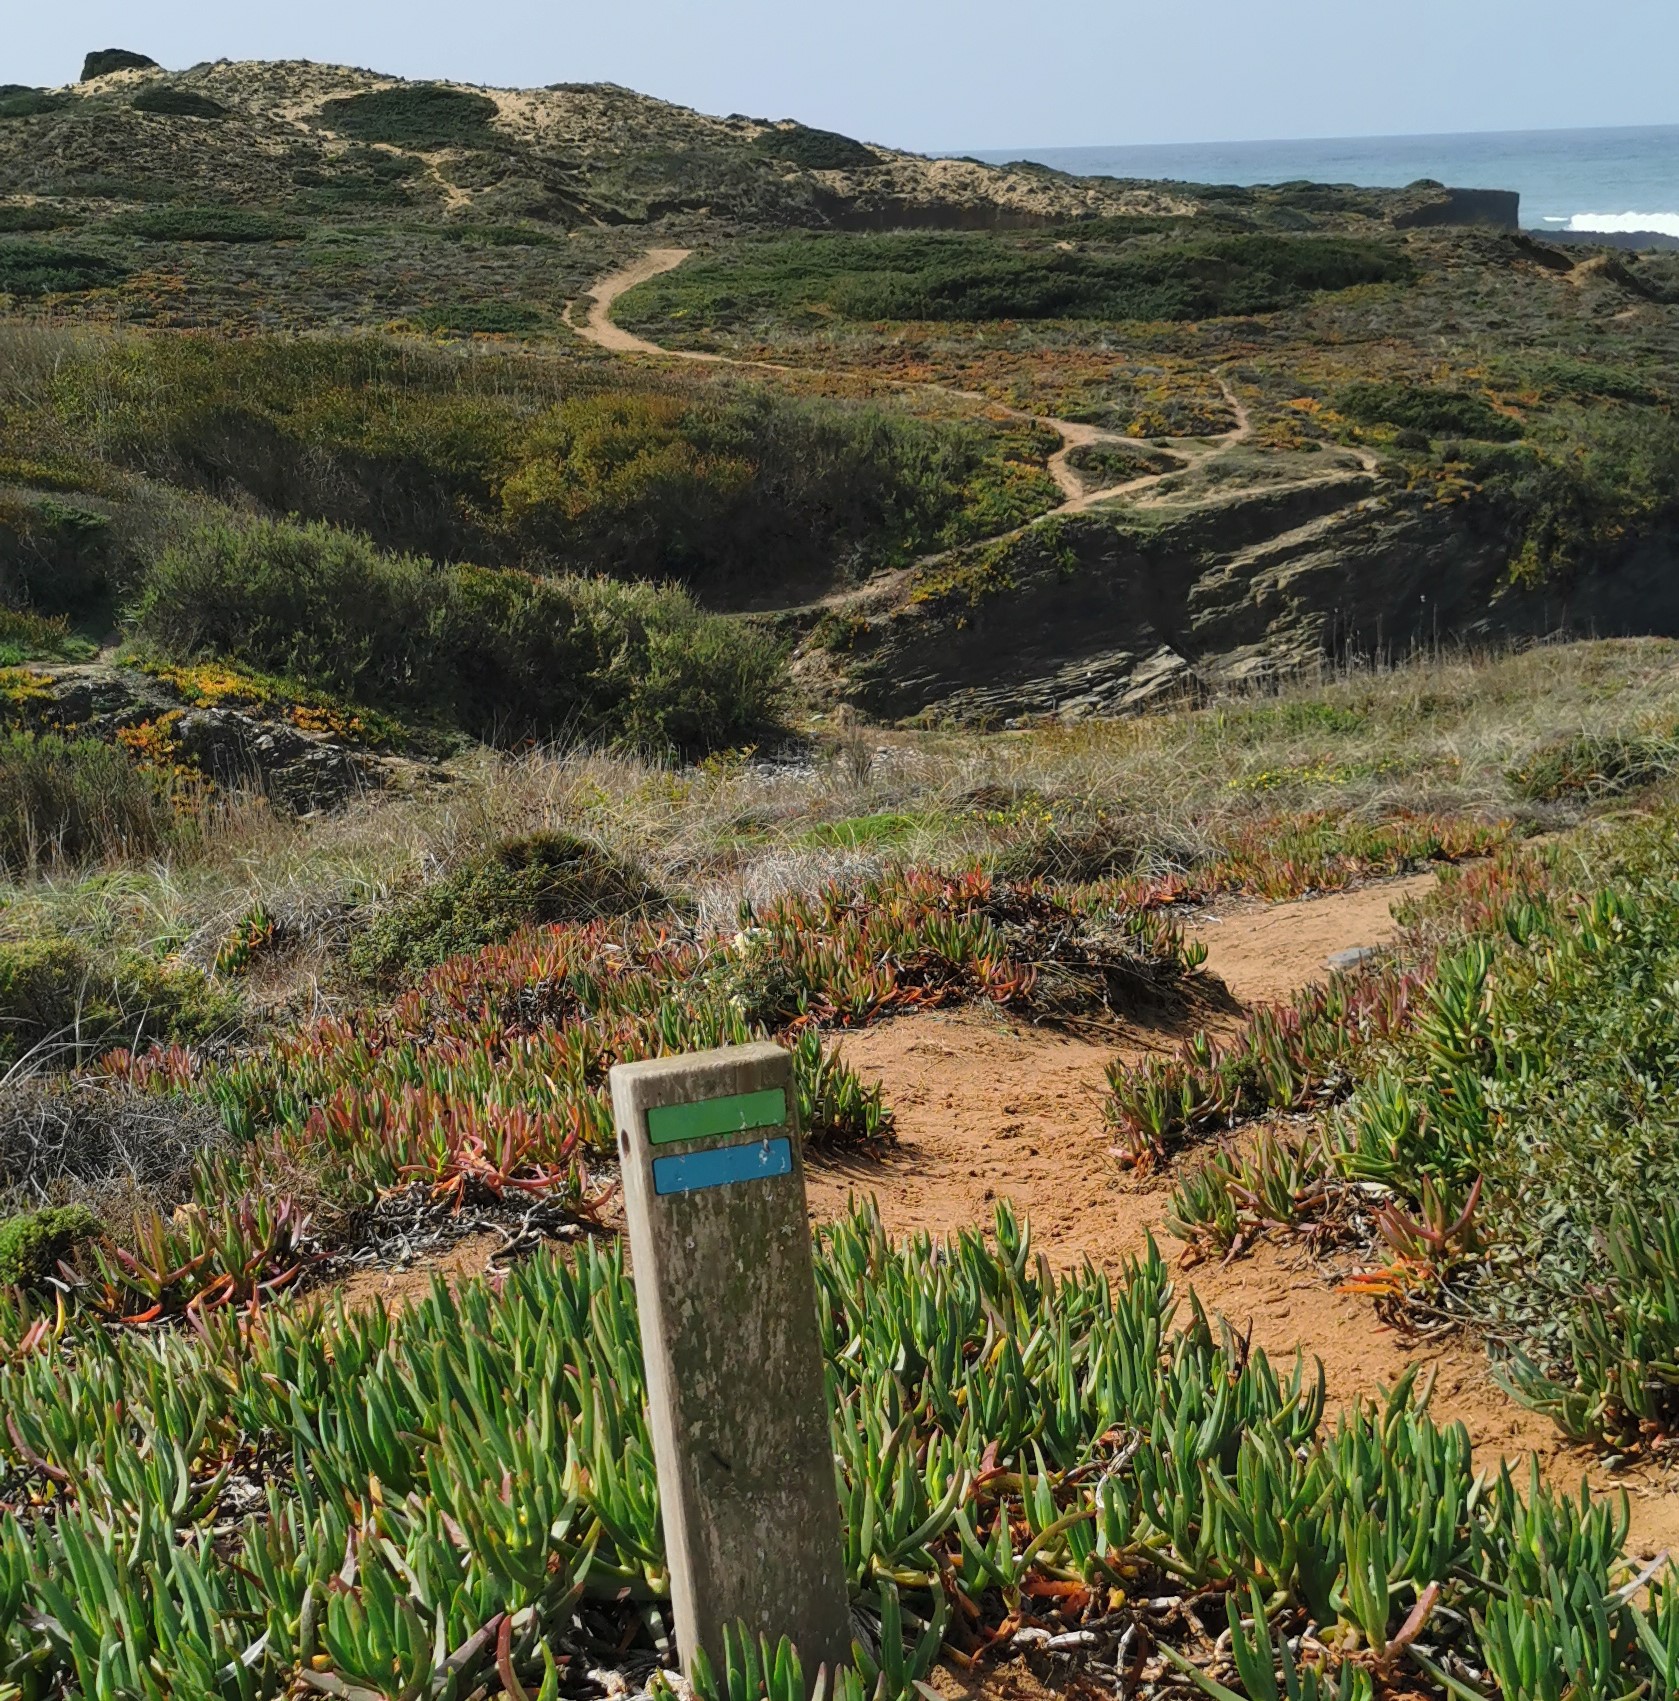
(206, 224)
(1004, 1441)
(177, 103)
(1434, 412)
(948, 277)
(41, 268)
(413, 115)
(533, 880)
(486, 318)
(33, 1243)
(67, 1003)
(501, 653)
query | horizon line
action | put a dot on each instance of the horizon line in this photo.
(1274, 141)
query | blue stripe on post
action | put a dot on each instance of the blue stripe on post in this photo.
(722, 1166)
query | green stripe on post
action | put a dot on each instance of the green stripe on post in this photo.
(708, 1117)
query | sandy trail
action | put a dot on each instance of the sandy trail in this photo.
(597, 327)
(988, 1109)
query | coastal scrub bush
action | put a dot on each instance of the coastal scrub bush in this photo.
(75, 800)
(359, 177)
(533, 880)
(206, 224)
(1586, 487)
(32, 103)
(502, 653)
(1419, 407)
(59, 995)
(497, 459)
(484, 318)
(815, 150)
(413, 115)
(40, 268)
(33, 1242)
(32, 218)
(177, 103)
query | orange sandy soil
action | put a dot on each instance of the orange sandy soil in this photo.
(987, 1109)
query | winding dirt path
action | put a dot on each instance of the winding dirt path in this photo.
(598, 326)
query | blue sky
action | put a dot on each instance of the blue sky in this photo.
(938, 74)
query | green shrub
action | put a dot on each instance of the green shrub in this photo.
(815, 150)
(533, 880)
(75, 800)
(177, 103)
(496, 235)
(206, 224)
(1432, 411)
(641, 477)
(501, 652)
(1584, 490)
(1579, 380)
(56, 558)
(56, 994)
(32, 1244)
(32, 104)
(413, 115)
(39, 268)
(33, 218)
(359, 177)
(484, 318)
(106, 60)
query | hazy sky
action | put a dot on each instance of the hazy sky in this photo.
(938, 74)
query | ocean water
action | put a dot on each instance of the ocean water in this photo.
(1589, 180)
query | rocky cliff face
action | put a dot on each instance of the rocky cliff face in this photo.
(1429, 206)
(1095, 614)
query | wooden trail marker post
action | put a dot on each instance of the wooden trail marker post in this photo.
(715, 1195)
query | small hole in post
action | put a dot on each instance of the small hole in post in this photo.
(624, 1144)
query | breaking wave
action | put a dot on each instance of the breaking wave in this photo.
(1606, 223)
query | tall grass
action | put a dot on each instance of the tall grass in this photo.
(76, 800)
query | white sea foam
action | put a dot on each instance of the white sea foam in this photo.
(1605, 223)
